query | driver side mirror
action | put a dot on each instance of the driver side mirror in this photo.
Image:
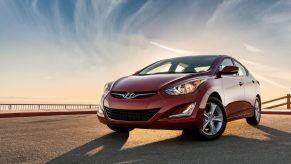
(228, 70)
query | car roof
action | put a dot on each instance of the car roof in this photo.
(185, 57)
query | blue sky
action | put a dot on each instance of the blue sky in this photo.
(65, 51)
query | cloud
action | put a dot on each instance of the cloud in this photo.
(270, 71)
(270, 81)
(221, 12)
(179, 51)
(258, 65)
(82, 38)
(252, 48)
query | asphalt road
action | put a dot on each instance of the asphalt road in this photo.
(82, 139)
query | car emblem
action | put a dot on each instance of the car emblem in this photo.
(129, 95)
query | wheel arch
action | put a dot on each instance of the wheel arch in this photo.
(260, 100)
(210, 93)
(216, 95)
(259, 97)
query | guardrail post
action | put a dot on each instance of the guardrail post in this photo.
(288, 101)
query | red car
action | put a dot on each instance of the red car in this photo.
(195, 93)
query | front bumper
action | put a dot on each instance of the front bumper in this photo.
(167, 105)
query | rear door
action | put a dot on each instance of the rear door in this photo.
(233, 91)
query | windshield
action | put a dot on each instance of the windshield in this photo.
(193, 64)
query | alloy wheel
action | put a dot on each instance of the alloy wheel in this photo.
(257, 111)
(213, 119)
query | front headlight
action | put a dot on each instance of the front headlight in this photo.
(185, 88)
(107, 88)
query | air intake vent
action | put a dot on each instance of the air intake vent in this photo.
(130, 115)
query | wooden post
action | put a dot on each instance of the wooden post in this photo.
(288, 101)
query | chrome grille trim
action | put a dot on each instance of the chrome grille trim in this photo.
(132, 95)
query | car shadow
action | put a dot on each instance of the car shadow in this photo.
(275, 148)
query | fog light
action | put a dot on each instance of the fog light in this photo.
(187, 112)
(100, 111)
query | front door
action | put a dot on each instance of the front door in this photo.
(233, 91)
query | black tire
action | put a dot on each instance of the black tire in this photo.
(120, 129)
(202, 134)
(255, 120)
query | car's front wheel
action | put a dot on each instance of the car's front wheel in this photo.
(120, 129)
(214, 120)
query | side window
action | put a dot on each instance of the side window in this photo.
(241, 71)
(225, 62)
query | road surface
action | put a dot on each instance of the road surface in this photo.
(82, 139)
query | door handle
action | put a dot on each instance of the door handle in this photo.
(240, 83)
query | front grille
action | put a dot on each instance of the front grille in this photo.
(130, 115)
(132, 95)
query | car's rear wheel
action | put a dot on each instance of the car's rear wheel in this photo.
(214, 120)
(120, 129)
(255, 120)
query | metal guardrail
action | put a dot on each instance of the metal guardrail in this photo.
(47, 106)
(288, 103)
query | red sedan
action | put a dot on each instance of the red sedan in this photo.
(195, 93)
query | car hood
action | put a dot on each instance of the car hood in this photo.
(144, 83)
